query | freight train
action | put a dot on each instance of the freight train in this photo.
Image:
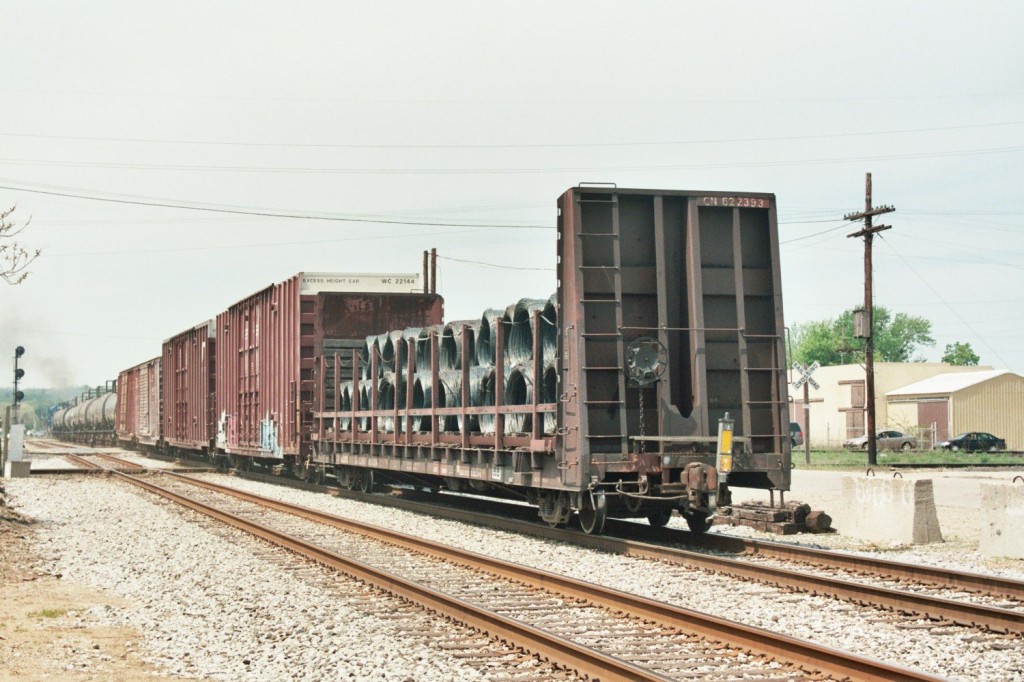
(607, 399)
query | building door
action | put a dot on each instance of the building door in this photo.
(934, 412)
(855, 423)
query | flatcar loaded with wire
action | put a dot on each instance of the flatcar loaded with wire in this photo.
(606, 399)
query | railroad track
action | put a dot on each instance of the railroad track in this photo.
(83, 463)
(109, 463)
(979, 601)
(591, 629)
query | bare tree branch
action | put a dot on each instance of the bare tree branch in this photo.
(14, 258)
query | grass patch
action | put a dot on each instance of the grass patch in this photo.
(47, 613)
(858, 459)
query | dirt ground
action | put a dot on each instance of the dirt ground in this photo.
(46, 632)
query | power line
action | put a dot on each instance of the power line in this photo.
(939, 296)
(266, 213)
(815, 234)
(559, 145)
(507, 102)
(508, 171)
(241, 245)
(493, 265)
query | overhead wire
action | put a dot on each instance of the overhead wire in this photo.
(939, 296)
(267, 213)
(560, 145)
(493, 265)
(507, 171)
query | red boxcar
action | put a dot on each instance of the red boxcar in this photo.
(138, 404)
(266, 344)
(188, 386)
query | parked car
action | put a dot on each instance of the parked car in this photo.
(973, 441)
(886, 440)
(796, 434)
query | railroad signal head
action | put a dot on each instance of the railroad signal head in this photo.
(18, 396)
(19, 351)
(18, 373)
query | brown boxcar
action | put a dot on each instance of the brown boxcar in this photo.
(266, 344)
(138, 404)
(667, 324)
(188, 384)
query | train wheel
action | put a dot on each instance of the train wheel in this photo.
(593, 512)
(697, 521)
(659, 517)
(366, 481)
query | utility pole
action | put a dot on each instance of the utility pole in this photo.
(868, 331)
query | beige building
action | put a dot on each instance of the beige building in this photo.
(954, 403)
(837, 408)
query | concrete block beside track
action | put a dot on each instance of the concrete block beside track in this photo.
(888, 510)
(17, 469)
(1002, 515)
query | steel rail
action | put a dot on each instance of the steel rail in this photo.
(957, 580)
(555, 649)
(130, 466)
(86, 464)
(806, 655)
(621, 536)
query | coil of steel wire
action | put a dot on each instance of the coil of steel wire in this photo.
(451, 343)
(486, 341)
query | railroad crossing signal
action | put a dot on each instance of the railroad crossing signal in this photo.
(805, 375)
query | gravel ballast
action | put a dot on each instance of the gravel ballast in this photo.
(197, 603)
(950, 651)
(218, 603)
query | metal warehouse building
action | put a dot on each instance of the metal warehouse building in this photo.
(837, 407)
(991, 401)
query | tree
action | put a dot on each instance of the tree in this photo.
(831, 342)
(960, 354)
(14, 258)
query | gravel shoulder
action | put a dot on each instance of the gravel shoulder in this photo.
(49, 627)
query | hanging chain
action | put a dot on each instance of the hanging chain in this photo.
(643, 443)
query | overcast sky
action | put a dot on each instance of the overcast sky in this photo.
(475, 117)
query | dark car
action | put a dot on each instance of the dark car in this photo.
(796, 434)
(973, 441)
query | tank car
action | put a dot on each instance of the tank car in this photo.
(89, 419)
(607, 400)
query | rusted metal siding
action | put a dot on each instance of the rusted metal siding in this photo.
(257, 372)
(188, 386)
(138, 403)
(698, 272)
(266, 346)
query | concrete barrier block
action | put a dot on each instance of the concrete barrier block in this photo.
(888, 510)
(1002, 517)
(17, 469)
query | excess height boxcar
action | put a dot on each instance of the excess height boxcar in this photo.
(189, 378)
(266, 344)
(138, 404)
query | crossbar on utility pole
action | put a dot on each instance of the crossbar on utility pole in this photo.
(868, 233)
